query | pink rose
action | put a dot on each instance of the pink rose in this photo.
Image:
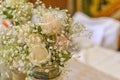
(62, 42)
(51, 25)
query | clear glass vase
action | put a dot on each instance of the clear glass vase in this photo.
(46, 72)
(16, 75)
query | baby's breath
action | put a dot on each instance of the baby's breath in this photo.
(34, 26)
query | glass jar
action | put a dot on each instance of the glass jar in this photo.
(16, 75)
(45, 72)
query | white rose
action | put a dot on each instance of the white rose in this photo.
(39, 54)
(13, 2)
(52, 25)
(34, 39)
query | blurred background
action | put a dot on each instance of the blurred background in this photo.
(94, 8)
(101, 16)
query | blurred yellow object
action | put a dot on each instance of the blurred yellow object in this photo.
(107, 9)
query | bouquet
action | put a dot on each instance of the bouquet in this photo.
(33, 36)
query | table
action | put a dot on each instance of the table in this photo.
(76, 70)
(104, 60)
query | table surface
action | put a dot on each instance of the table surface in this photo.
(75, 70)
(104, 60)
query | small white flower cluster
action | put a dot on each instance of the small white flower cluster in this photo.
(18, 13)
(38, 36)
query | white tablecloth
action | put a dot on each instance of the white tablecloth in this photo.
(75, 70)
(104, 60)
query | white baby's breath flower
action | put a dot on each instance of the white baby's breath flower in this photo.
(2, 33)
(65, 52)
(11, 50)
(23, 57)
(4, 42)
(14, 2)
(19, 41)
(53, 58)
(62, 59)
(60, 55)
(61, 63)
(12, 40)
(50, 63)
(27, 44)
(19, 48)
(25, 34)
(12, 55)
(50, 47)
(21, 63)
(47, 70)
(16, 51)
(3, 37)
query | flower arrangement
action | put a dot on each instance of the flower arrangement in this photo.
(32, 35)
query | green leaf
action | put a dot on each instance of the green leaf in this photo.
(17, 23)
(9, 16)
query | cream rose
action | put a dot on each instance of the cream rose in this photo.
(13, 2)
(34, 39)
(38, 54)
(51, 24)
